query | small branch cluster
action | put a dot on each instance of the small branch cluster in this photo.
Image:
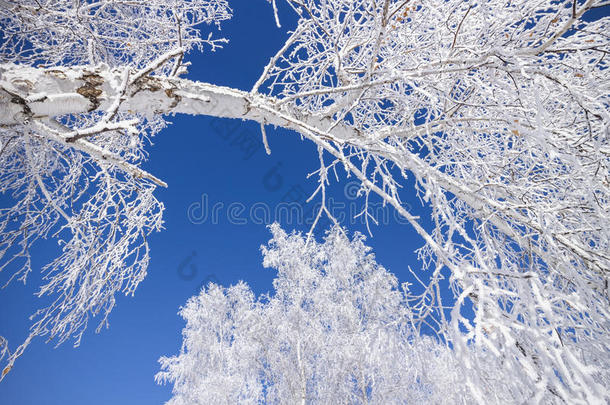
(72, 172)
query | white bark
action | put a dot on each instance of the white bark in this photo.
(48, 93)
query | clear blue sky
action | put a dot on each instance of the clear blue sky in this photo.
(196, 155)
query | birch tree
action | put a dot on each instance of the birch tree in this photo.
(73, 172)
(498, 109)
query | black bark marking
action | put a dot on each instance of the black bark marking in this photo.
(90, 89)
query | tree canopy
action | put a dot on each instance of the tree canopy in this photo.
(498, 109)
(336, 329)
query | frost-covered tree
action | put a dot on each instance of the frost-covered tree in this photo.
(337, 328)
(498, 109)
(72, 172)
(334, 330)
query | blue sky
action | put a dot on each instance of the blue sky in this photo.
(201, 158)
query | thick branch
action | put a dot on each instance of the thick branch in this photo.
(44, 93)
